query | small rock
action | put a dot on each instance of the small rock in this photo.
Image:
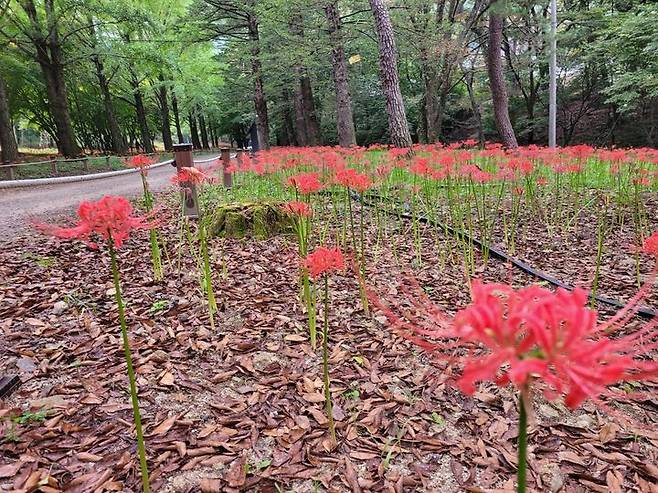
(26, 365)
(59, 307)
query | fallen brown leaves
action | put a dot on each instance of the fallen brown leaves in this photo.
(241, 408)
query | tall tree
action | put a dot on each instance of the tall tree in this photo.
(344, 113)
(117, 142)
(497, 80)
(388, 72)
(41, 30)
(7, 139)
(174, 107)
(163, 99)
(140, 110)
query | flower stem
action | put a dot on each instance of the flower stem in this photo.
(522, 445)
(325, 362)
(207, 274)
(131, 371)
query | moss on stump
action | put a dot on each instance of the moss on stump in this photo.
(253, 219)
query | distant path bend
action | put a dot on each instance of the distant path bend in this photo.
(19, 205)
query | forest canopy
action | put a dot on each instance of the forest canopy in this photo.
(114, 76)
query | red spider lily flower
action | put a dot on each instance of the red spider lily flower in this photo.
(139, 161)
(420, 167)
(530, 336)
(324, 261)
(295, 208)
(305, 183)
(650, 245)
(190, 175)
(350, 178)
(109, 217)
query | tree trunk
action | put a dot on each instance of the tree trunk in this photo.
(298, 103)
(50, 58)
(164, 114)
(174, 107)
(288, 131)
(7, 138)
(310, 116)
(388, 73)
(260, 103)
(497, 81)
(475, 106)
(344, 112)
(145, 134)
(431, 89)
(117, 143)
(196, 143)
(204, 131)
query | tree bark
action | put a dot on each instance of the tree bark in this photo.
(260, 102)
(174, 107)
(163, 97)
(475, 106)
(388, 73)
(344, 111)
(298, 103)
(117, 142)
(50, 58)
(145, 134)
(196, 142)
(310, 115)
(497, 81)
(287, 136)
(7, 139)
(204, 131)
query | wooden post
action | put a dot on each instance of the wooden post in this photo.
(184, 159)
(86, 161)
(226, 163)
(12, 174)
(53, 167)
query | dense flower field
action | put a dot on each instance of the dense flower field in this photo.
(448, 318)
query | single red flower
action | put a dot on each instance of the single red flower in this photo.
(139, 161)
(305, 183)
(531, 336)
(323, 261)
(109, 217)
(295, 208)
(190, 175)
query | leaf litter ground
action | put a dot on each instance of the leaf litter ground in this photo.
(241, 408)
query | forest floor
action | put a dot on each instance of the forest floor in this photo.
(240, 408)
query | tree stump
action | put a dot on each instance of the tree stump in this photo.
(254, 219)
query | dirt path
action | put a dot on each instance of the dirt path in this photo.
(20, 205)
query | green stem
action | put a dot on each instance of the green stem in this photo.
(325, 362)
(131, 371)
(207, 274)
(522, 445)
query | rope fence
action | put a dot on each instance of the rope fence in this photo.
(61, 167)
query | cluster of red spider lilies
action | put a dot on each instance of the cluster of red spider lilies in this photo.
(531, 338)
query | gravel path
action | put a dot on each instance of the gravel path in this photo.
(19, 205)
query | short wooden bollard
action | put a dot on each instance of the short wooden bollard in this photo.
(183, 159)
(227, 175)
(53, 167)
